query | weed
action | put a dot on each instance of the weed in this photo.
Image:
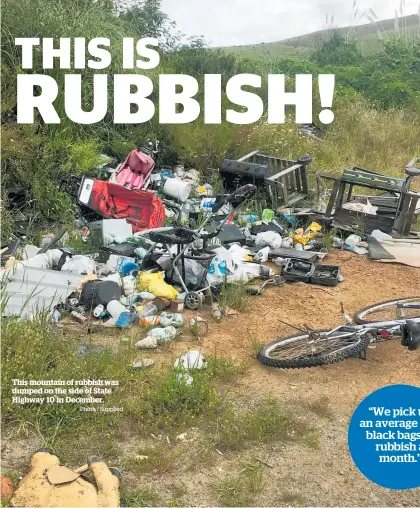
(140, 497)
(291, 498)
(231, 491)
(241, 488)
(321, 407)
(328, 239)
(158, 459)
(234, 295)
(224, 369)
(178, 491)
(256, 344)
(234, 430)
(175, 502)
(254, 474)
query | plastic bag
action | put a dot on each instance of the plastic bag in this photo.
(270, 238)
(190, 360)
(194, 272)
(162, 334)
(220, 266)
(79, 264)
(303, 238)
(155, 284)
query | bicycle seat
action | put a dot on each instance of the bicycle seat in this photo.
(412, 171)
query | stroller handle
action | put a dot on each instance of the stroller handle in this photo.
(241, 192)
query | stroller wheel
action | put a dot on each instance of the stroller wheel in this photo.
(193, 300)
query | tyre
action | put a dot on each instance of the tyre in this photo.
(312, 349)
(387, 311)
(193, 300)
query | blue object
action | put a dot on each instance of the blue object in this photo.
(128, 267)
(289, 219)
(166, 173)
(384, 437)
(124, 320)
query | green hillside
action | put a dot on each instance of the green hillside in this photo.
(368, 36)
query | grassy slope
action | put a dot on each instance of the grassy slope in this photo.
(368, 36)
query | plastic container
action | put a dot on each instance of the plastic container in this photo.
(207, 204)
(149, 310)
(125, 319)
(325, 275)
(99, 292)
(177, 189)
(150, 320)
(79, 318)
(268, 215)
(352, 240)
(296, 270)
(98, 310)
(115, 308)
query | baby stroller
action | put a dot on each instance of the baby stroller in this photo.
(181, 245)
(135, 171)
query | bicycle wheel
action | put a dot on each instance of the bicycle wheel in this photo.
(388, 311)
(312, 349)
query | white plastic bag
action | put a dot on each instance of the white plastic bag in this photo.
(79, 264)
(271, 238)
(190, 360)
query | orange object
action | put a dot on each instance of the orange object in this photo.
(7, 488)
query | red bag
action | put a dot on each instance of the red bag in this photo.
(140, 208)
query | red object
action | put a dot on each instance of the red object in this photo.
(140, 208)
(135, 171)
(385, 334)
(7, 488)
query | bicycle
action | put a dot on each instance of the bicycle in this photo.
(313, 348)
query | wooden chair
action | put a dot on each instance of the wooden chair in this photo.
(397, 206)
(286, 180)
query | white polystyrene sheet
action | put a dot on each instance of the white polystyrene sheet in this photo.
(28, 290)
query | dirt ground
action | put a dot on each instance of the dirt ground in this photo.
(311, 477)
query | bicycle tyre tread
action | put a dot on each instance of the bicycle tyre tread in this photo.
(309, 362)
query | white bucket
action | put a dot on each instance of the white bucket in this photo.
(115, 308)
(177, 189)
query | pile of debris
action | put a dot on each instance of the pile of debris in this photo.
(145, 273)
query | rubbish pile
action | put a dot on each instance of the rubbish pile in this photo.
(143, 273)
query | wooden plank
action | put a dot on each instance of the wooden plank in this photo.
(340, 195)
(333, 197)
(272, 186)
(299, 181)
(304, 176)
(410, 215)
(248, 156)
(284, 172)
(284, 187)
(297, 198)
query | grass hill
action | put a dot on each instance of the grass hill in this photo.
(368, 36)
